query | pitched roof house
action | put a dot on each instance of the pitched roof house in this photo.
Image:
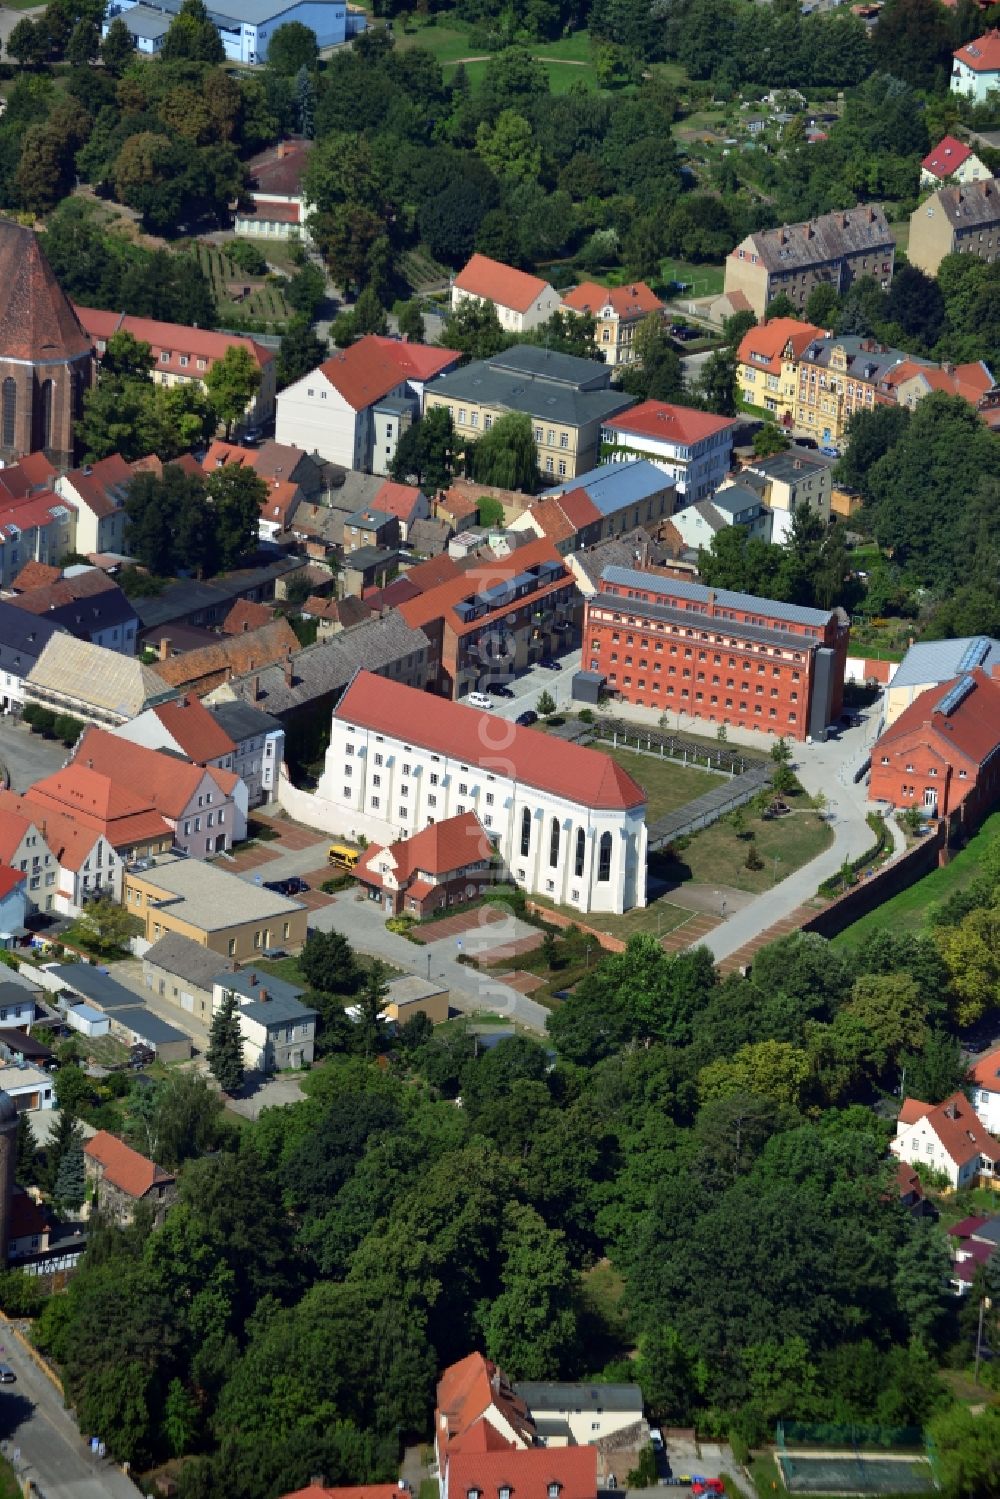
(948, 1137)
(522, 301)
(125, 1178)
(93, 683)
(233, 656)
(91, 806)
(833, 249)
(448, 862)
(89, 605)
(97, 492)
(618, 312)
(951, 160)
(472, 1391)
(976, 67)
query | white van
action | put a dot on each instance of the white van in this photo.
(480, 700)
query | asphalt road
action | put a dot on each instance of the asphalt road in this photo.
(43, 1441)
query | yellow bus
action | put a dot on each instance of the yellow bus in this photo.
(341, 853)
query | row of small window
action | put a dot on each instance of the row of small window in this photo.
(403, 813)
(699, 697)
(549, 437)
(595, 645)
(604, 847)
(463, 787)
(261, 939)
(210, 821)
(962, 774)
(710, 639)
(183, 360)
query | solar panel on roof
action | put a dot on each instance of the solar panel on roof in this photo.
(975, 653)
(955, 696)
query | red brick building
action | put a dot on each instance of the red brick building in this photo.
(446, 864)
(730, 658)
(943, 752)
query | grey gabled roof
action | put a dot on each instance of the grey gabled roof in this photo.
(556, 391)
(186, 959)
(697, 593)
(281, 1005)
(933, 661)
(144, 1023)
(972, 204)
(96, 985)
(23, 638)
(190, 595)
(229, 13)
(579, 1397)
(827, 238)
(242, 721)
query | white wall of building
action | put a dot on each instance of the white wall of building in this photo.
(697, 470)
(314, 416)
(512, 320)
(973, 84)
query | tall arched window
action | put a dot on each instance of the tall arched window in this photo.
(9, 413)
(554, 843)
(44, 413)
(525, 832)
(581, 849)
(604, 859)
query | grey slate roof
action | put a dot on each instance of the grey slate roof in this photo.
(281, 1005)
(929, 662)
(99, 987)
(147, 1025)
(617, 551)
(329, 665)
(828, 238)
(791, 465)
(23, 637)
(144, 21)
(969, 206)
(188, 960)
(552, 387)
(241, 721)
(191, 596)
(697, 593)
(93, 613)
(579, 1397)
(615, 486)
(235, 12)
(871, 364)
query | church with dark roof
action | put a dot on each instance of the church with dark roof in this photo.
(46, 358)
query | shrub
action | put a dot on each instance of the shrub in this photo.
(21, 1295)
(247, 257)
(586, 715)
(400, 925)
(45, 723)
(754, 860)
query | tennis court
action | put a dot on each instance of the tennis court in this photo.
(855, 1473)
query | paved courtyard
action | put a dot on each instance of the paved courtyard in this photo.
(27, 757)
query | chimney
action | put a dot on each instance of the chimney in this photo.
(165, 648)
(253, 980)
(263, 996)
(256, 689)
(711, 601)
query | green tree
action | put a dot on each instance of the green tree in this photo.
(768, 1069)
(546, 704)
(70, 1184)
(301, 350)
(27, 1152)
(368, 314)
(717, 382)
(769, 440)
(236, 495)
(327, 963)
(530, 1328)
(116, 48)
(67, 1131)
(410, 321)
(371, 1005)
(192, 37)
(781, 751)
(106, 926)
(28, 42)
(291, 47)
(425, 453)
(971, 952)
(232, 382)
(920, 1284)
(473, 328)
(822, 305)
(506, 456)
(304, 94)
(180, 1410)
(508, 148)
(84, 45)
(225, 1045)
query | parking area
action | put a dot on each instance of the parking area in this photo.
(528, 688)
(27, 757)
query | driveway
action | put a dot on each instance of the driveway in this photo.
(27, 757)
(527, 689)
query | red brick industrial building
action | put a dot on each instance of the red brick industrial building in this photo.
(726, 657)
(943, 752)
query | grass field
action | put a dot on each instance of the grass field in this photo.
(705, 280)
(716, 856)
(667, 783)
(908, 911)
(567, 60)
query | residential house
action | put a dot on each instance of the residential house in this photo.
(123, 1179)
(619, 311)
(566, 821)
(212, 907)
(13, 905)
(974, 1242)
(129, 1021)
(838, 377)
(274, 205)
(87, 604)
(832, 250)
(272, 460)
(787, 481)
(35, 575)
(767, 365)
(984, 1089)
(185, 728)
(522, 301)
(407, 502)
(912, 380)
(497, 618)
(589, 1412)
(952, 161)
(963, 220)
(370, 529)
(976, 67)
(182, 355)
(331, 410)
(231, 656)
(192, 602)
(37, 525)
(620, 496)
(28, 1087)
(447, 863)
(184, 973)
(721, 656)
(28, 1226)
(948, 1137)
(370, 567)
(205, 807)
(334, 615)
(941, 753)
(735, 504)
(693, 448)
(535, 1473)
(279, 1032)
(911, 1192)
(635, 549)
(362, 1491)
(568, 400)
(429, 538)
(24, 849)
(97, 493)
(92, 683)
(94, 805)
(245, 616)
(409, 995)
(259, 747)
(277, 509)
(477, 1408)
(22, 640)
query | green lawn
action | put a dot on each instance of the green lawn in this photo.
(450, 44)
(908, 911)
(716, 856)
(9, 1486)
(704, 280)
(668, 783)
(657, 919)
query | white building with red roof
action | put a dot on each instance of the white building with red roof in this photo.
(566, 821)
(952, 160)
(332, 410)
(976, 67)
(948, 1137)
(182, 354)
(695, 448)
(618, 311)
(275, 205)
(522, 301)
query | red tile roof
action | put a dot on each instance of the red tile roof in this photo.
(465, 1392)
(10, 879)
(440, 849)
(35, 575)
(369, 369)
(172, 339)
(986, 1072)
(169, 784)
(947, 156)
(27, 1219)
(496, 282)
(279, 169)
(363, 1491)
(123, 1167)
(270, 212)
(246, 614)
(965, 1227)
(763, 346)
(670, 423)
(530, 1474)
(913, 1110)
(971, 381)
(957, 1126)
(89, 802)
(101, 486)
(632, 301)
(280, 502)
(907, 1180)
(439, 602)
(70, 838)
(37, 321)
(397, 499)
(35, 468)
(40, 508)
(13, 826)
(972, 728)
(65, 591)
(235, 655)
(981, 55)
(536, 759)
(190, 725)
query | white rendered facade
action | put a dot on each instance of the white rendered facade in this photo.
(697, 468)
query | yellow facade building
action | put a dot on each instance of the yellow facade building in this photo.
(212, 907)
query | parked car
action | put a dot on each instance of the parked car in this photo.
(275, 952)
(7, 1375)
(550, 663)
(805, 442)
(501, 691)
(684, 334)
(527, 718)
(481, 700)
(296, 886)
(830, 452)
(277, 887)
(656, 1438)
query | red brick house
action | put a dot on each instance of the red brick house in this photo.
(449, 862)
(943, 752)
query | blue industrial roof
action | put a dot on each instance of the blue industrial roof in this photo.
(697, 593)
(95, 984)
(933, 661)
(614, 486)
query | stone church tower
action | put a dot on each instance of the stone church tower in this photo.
(46, 359)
